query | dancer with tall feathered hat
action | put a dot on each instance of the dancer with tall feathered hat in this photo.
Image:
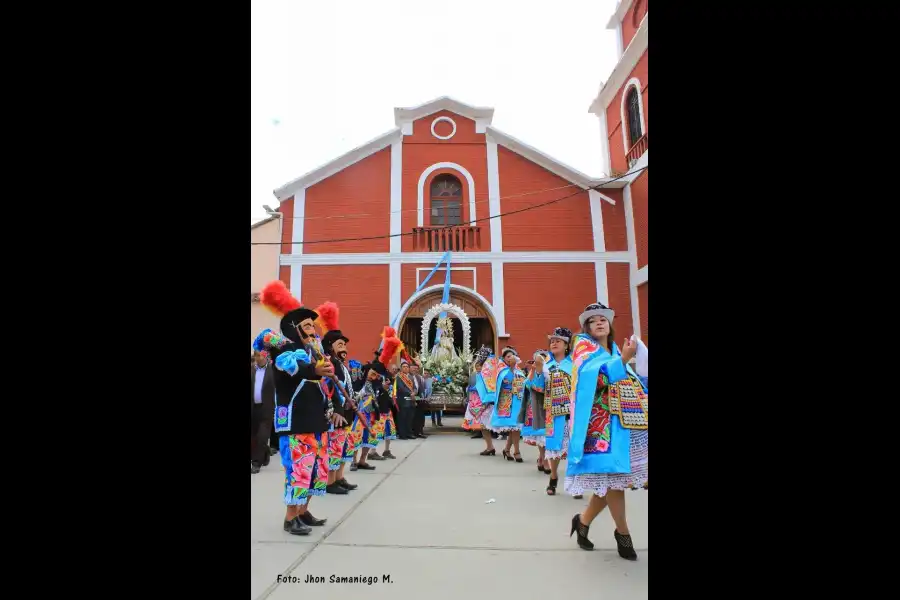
(386, 426)
(302, 413)
(342, 441)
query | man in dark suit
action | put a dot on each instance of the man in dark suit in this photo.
(262, 410)
(406, 401)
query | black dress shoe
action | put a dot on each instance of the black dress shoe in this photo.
(366, 466)
(296, 527)
(254, 468)
(420, 435)
(310, 520)
(266, 459)
(346, 484)
(334, 488)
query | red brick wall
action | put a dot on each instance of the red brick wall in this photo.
(464, 278)
(361, 188)
(643, 299)
(614, 220)
(541, 296)
(287, 228)
(465, 130)
(361, 292)
(620, 299)
(639, 196)
(558, 226)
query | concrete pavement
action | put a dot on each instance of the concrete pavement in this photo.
(423, 521)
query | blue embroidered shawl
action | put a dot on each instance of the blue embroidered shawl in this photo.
(589, 360)
(505, 377)
(554, 442)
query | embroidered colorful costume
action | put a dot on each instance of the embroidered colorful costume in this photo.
(478, 413)
(556, 380)
(533, 419)
(505, 388)
(304, 458)
(340, 439)
(608, 445)
(301, 410)
(367, 418)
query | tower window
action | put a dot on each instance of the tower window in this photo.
(633, 109)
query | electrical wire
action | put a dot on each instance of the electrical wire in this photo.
(406, 210)
(448, 227)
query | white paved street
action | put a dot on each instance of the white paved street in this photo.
(423, 520)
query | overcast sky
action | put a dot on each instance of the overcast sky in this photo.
(326, 76)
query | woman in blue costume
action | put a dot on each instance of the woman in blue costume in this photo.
(505, 387)
(608, 438)
(478, 413)
(554, 378)
(532, 414)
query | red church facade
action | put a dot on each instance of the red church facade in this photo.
(622, 107)
(442, 180)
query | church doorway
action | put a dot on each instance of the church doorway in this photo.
(482, 327)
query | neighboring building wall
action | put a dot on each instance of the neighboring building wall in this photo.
(263, 269)
(541, 296)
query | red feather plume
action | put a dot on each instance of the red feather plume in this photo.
(328, 316)
(277, 298)
(388, 332)
(389, 350)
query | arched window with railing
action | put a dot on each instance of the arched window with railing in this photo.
(634, 121)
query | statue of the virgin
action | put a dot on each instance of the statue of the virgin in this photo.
(444, 349)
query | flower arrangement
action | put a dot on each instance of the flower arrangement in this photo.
(449, 375)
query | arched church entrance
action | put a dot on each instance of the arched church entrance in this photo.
(483, 328)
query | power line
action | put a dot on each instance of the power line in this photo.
(406, 210)
(448, 227)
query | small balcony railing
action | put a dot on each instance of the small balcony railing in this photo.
(637, 150)
(456, 238)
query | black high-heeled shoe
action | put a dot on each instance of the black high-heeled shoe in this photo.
(517, 455)
(582, 530)
(507, 455)
(490, 452)
(625, 546)
(551, 489)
